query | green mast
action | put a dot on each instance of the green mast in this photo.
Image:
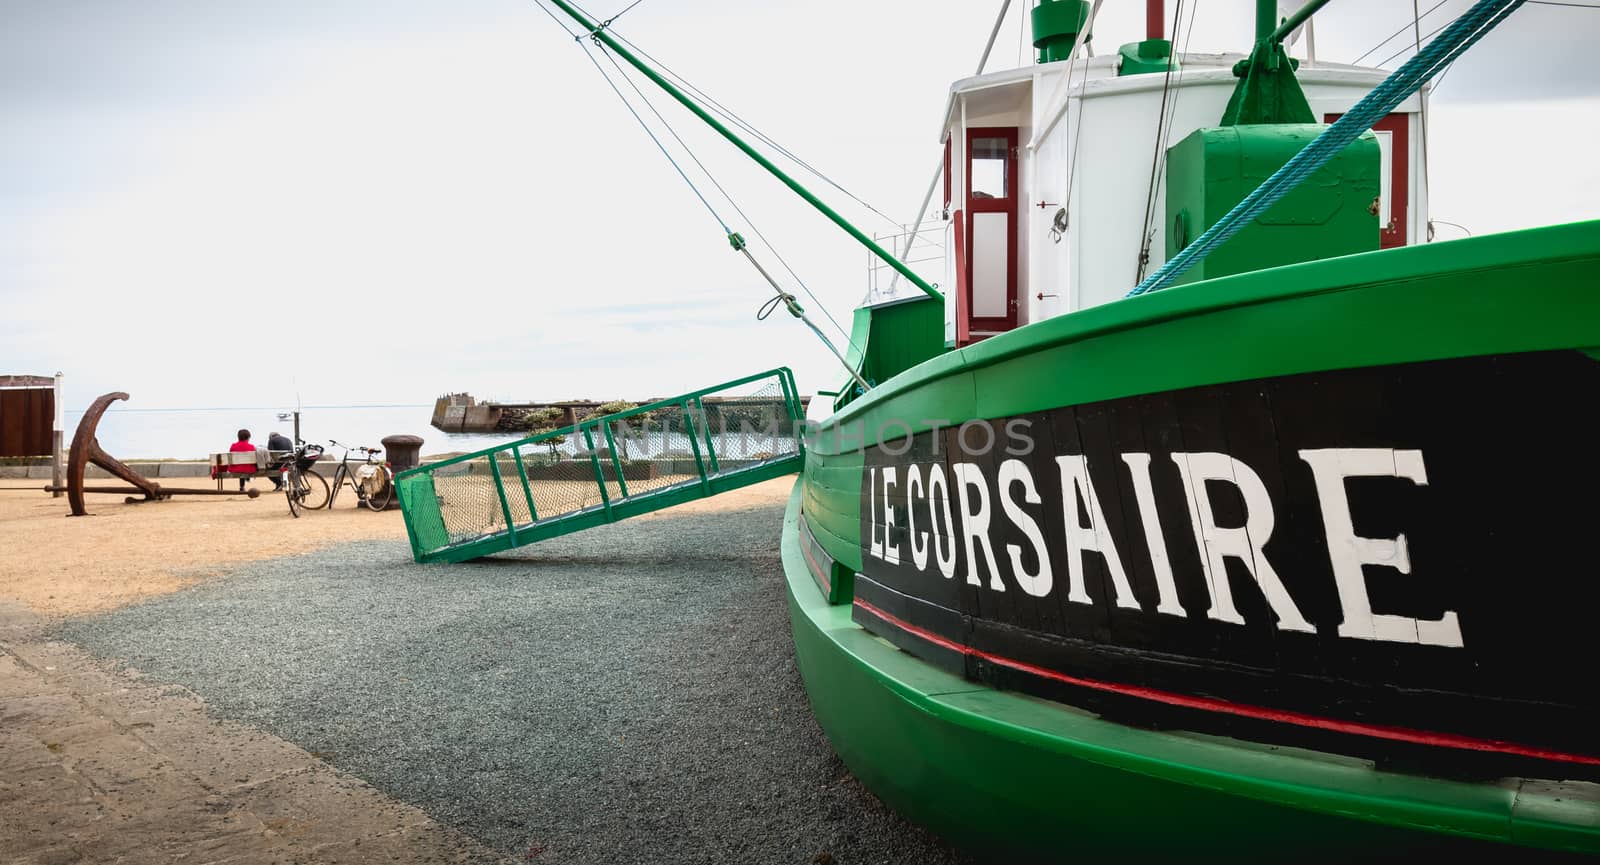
(1268, 91)
(598, 32)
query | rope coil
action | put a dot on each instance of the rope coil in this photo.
(785, 298)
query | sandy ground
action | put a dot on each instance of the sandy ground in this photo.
(99, 765)
(60, 566)
(120, 553)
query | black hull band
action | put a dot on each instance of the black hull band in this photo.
(1397, 554)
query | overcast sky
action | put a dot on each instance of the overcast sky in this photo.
(211, 202)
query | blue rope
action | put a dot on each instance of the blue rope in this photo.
(1441, 52)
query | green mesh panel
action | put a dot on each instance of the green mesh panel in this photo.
(669, 450)
(421, 506)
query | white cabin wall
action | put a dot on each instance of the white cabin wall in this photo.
(1097, 261)
(1114, 159)
(948, 287)
(1418, 229)
(1047, 266)
(1104, 144)
(957, 132)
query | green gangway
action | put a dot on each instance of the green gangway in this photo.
(604, 469)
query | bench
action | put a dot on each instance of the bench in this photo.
(263, 464)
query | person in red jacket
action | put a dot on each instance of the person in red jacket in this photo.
(243, 445)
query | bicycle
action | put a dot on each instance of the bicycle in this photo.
(302, 486)
(372, 481)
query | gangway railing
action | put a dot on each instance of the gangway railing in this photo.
(604, 469)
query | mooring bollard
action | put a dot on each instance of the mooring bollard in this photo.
(404, 452)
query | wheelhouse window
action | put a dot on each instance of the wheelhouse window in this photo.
(990, 163)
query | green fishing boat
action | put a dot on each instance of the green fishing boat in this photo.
(1209, 513)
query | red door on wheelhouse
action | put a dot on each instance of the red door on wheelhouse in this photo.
(1394, 191)
(991, 230)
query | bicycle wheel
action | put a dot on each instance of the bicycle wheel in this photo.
(380, 500)
(314, 490)
(289, 484)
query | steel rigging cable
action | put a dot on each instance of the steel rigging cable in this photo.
(735, 204)
(718, 108)
(734, 237)
(727, 114)
(1146, 232)
(1387, 39)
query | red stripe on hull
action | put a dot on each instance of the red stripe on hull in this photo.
(816, 569)
(1398, 734)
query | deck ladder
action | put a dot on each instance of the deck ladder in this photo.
(604, 469)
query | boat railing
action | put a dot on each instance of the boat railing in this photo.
(926, 252)
(626, 463)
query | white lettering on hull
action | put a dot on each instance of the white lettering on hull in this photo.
(1012, 473)
(939, 493)
(975, 523)
(876, 545)
(1092, 538)
(1086, 532)
(1245, 543)
(919, 543)
(1350, 552)
(891, 551)
(1154, 538)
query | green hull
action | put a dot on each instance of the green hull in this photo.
(1024, 778)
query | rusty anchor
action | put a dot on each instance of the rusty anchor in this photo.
(86, 449)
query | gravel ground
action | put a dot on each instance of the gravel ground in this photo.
(626, 694)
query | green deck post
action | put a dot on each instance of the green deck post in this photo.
(533, 512)
(694, 442)
(599, 477)
(616, 465)
(792, 400)
(505, 506)
(792, 393)
(1293, 21)
(1267, 91)
(711, 450)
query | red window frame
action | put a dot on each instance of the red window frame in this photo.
(1007, 205)
(1398, 126)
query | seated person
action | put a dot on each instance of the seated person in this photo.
(243, 445)
(280, 443)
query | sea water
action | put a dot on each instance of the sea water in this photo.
(195, 433)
